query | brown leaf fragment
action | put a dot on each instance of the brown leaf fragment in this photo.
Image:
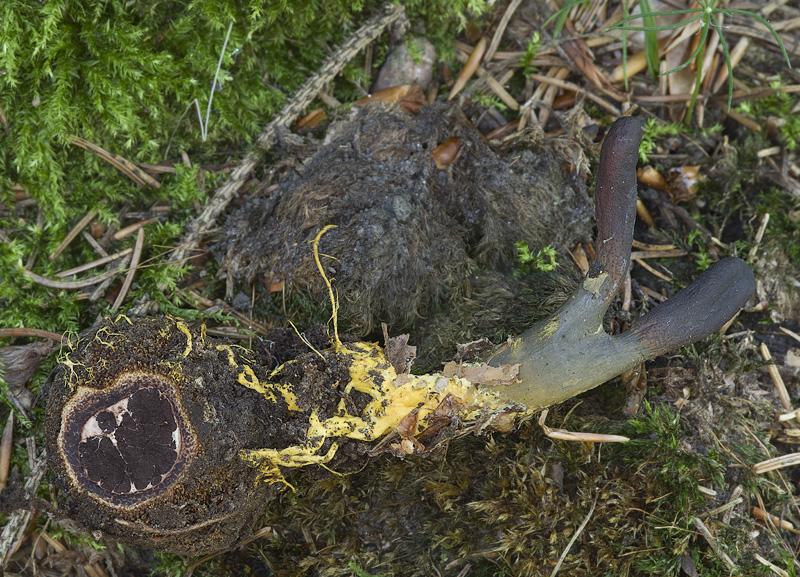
(444, 154)
(408, 426)
(502, 422)
(310, 120)
(399, 353)
(409, 97)
(443, 423)
(635, 381)
(18, 364)
(483, 374)
(682, 183)
(470, 351)
(649, 176)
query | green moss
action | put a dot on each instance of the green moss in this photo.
(124, 76)
(784, 222)
(780, 105)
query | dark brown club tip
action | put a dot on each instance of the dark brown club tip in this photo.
(697, 311)
(615, 199)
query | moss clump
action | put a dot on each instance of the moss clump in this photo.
(124, 76)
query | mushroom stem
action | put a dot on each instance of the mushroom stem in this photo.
(569, 352)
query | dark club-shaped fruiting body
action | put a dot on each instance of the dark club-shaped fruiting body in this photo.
(569, 352)
(162, 437)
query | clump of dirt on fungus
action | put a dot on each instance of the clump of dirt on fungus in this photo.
(412, 241)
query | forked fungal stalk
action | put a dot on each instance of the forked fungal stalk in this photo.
(163, 437)
(569, 352)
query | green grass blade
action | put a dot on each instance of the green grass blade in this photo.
(650, 38)
(699, 76)
(765, 23)
(561, 16)
(625, 46)
(681, 24)
(693, 55)
(621, 24)
(727, 55)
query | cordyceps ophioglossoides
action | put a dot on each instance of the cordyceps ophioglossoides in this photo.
(163, 437)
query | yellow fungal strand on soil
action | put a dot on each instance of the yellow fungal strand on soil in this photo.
(184, 328)
(393, 399)
(334, 302)
(247, 378)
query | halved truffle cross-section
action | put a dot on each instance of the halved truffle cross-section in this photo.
(125, 443)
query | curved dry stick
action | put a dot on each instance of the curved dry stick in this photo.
(569, 352)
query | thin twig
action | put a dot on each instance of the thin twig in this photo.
(372, 29)
(711, 540)
(94, 244)
(124, 165)
(6, 445)
(131, 228)
(72, 284)
(575, 88)
(100, 290)
(36, 333)
(73, 233)
(574, 538)
(501, 28)
(777, 380)
(792, 334)
(93, 264)
(137, 253)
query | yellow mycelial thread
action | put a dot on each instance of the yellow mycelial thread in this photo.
(393, 399)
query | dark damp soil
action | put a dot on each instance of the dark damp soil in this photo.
(416, 247)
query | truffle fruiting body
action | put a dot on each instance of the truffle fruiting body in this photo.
(144, 426)
(164, 438)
